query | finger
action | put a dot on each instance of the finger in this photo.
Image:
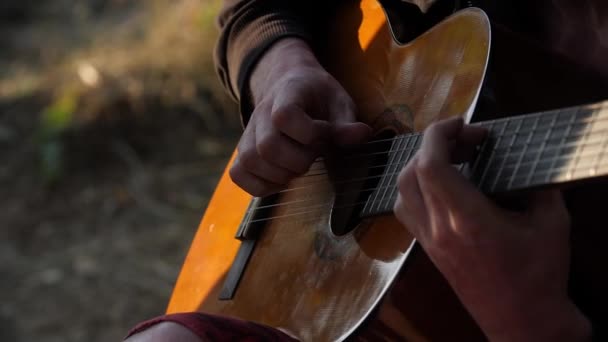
(294, 122)
(351, 133)
(252, 184)
(255, 165)
(465, 146)
(347, 130)
(282, 151)
(443, 187)
(410, 209)
(249, 162)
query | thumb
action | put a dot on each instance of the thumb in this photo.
(346, 129)
(351, 133)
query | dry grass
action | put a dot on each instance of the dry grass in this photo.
(113, 130)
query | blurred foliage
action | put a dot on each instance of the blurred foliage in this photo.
(58, 116)
(54, 121)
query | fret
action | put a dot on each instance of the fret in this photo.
(377, 200)
(410, 149)
(537, 149)
(504, 160)
(390, 173)
(493, 151)
(542, 148)
(581, 171)
(372, 200)
(523, 153)
(592, 142)
(603, 145)
(580, 146)
(561, 147)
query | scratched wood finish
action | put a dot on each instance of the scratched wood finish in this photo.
(303, 279)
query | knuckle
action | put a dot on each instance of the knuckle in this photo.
(425, 166)
(268, 147)
(237, 175)
(248, 159)
(280, 116)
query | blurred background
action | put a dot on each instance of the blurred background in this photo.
(113, 133)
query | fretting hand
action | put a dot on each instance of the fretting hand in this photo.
(509, 269)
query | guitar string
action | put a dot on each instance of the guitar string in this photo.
(506, 155)
(498, 155)
(411, 135)
(505, 137)
(510, 120)
(327, 205)
(559, 171)
(557, 158)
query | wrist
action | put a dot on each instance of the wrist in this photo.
(286, 54)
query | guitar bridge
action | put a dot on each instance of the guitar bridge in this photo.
(248, 232)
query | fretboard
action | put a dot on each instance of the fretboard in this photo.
(527, 151)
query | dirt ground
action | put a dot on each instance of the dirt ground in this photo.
(113, 132)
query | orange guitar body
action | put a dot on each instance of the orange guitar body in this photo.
(371, 283)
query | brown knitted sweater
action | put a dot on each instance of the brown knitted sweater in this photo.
(575, 28)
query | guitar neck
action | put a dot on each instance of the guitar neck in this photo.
(521, 152)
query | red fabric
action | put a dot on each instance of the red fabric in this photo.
(217, 328)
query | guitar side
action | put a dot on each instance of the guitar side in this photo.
(302, 278)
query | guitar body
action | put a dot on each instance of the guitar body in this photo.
(371, 283)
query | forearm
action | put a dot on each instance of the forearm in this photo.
(247, 29)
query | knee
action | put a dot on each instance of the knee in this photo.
(164, 331)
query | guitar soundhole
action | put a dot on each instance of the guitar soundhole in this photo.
(355, 174)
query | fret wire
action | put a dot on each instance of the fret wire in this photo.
(602, 150)
(383, 179)
(525, 131)
(574, 170)
(579, 147)
(481, 152)
(601, 106)
(372, 199)
(504, 160)
(503, 152)
(523, 153)
(603, 169)
(561, 144)
(391, 169)
(516, 145)
(402, 162)
(562, 157)
(489, 162)
(542, 147)
(559, 172)
(565, 157)
(489, 123)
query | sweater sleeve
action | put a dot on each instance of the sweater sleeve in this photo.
(248, 29)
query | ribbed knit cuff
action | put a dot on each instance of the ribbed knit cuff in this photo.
(249, 32)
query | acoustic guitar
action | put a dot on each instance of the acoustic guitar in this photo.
(325, 259)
